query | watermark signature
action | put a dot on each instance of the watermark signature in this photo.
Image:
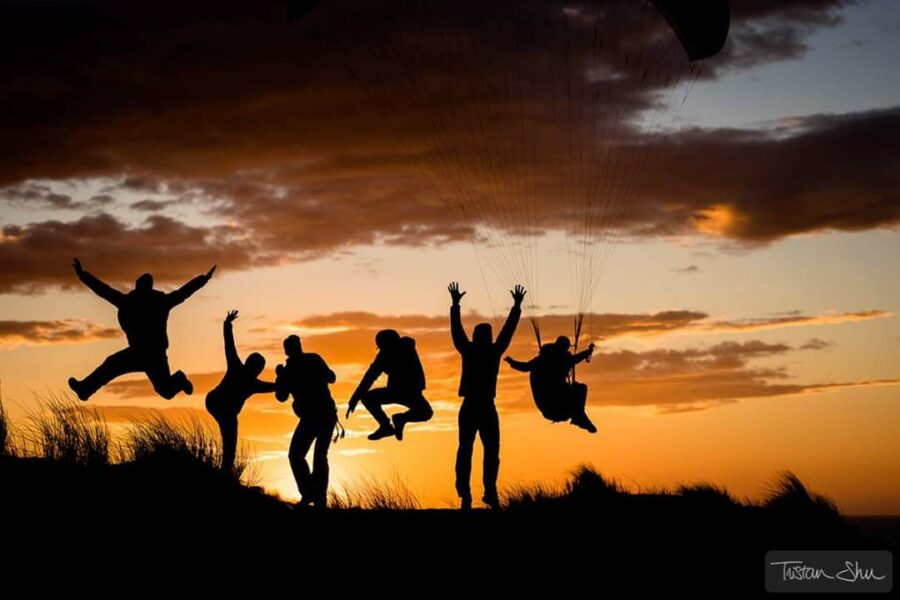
(829, 571)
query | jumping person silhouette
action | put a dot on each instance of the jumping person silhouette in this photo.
(241, 380)
(143, 315)
(556, 397)
(478, 388)
(306, 377)
(398, 359)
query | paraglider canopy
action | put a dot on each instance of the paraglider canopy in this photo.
(701, 25)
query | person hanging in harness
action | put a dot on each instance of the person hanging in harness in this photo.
(306, 377)
(143, 315)
(558, 398)
(478, 389)
(397, 358)
(240, 381)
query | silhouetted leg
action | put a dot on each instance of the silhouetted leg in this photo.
(228, 425)
(166, 383)
(489, 431)
(578, 401)
(468, 427)
(579, 397)
(115, 365)
(303, 438)
(374, 400)
(320, 463)
(419, 409)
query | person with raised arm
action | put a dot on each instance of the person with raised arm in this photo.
(143, 314)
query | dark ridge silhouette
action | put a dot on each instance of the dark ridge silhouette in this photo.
(241, 380)
(159, 504)
(306, 377)
(398, 359)
(143, 314)
(552, 376)
(478, 387)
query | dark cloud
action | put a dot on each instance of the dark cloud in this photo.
(794, 319)
(816, 344)
(151, 205)
(704, 175)
(689, 270)
(40, 255)
(277, 125)
(102, 200)
(66, 331)
(676, 380)
(771, 30)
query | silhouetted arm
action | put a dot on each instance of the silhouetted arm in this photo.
(583, 355)
(457, 331)
(372, 373)
(504, 338)
(512, 321)
(190, 288)
(111, 295)
(282, 392)
(232, 360)
(264, 387)
(327, 373)
(524, 367)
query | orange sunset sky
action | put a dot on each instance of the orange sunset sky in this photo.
(746, 319)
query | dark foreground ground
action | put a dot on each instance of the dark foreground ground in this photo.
(171, 521)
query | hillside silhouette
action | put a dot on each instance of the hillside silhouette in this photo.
(158, 501)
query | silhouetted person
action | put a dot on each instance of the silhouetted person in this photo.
(143, 316)
(241, 380)
(306, 377)
(398, 359)
(478, 388)
(557, 398)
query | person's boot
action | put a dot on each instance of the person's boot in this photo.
(383, 431)
(584, 422)
(465, 503)
(399, 422)
(78, 387)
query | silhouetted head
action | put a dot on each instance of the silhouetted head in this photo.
(483, 335)
(292, 346)
(255, 363)
(386, 338)
(144, 283)
(563, 343)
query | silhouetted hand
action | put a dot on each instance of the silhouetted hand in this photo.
(518, 294)
(352, 406)
(211, 271)
(232, 315)
(590, 348)
(453, 288)
(77, 264)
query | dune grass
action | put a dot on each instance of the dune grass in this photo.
(64, 430)
(6, 448)
(60, 430)
(370, 494)
(192, 440)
